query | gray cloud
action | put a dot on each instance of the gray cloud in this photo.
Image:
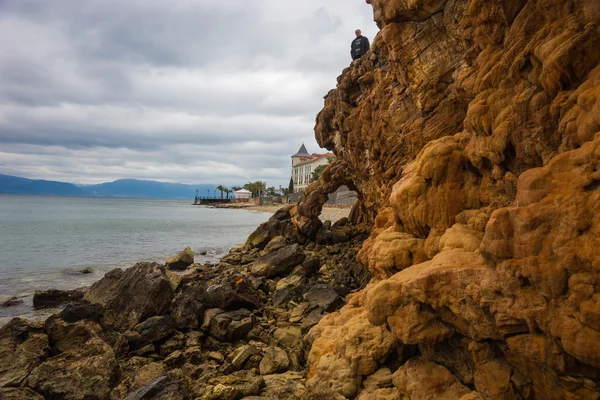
(187, 90)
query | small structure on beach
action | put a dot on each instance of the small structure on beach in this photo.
(242, 194)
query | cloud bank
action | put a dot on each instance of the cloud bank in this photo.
(190, 91)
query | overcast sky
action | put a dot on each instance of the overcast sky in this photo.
(191, 91)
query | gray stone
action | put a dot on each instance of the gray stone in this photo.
(82, 309)
(133, 295)
(274, 360)
(288, 336)
(279, 262)
(182, 260)
(151, 330)
(242, 354)
(288, 289)
(216, 356)
(187, 307)
(164, 386)
(54, 297)
(324, 297)
(231, 326)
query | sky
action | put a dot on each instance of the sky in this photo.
(189, 91)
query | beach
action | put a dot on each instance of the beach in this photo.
(332, 214)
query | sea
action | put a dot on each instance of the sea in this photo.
(71, 242)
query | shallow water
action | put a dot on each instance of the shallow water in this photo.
(46, 242)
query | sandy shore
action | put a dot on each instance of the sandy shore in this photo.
(328, 213)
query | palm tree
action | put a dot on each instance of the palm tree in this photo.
(227, 191)
(236, 188)
(221, 189)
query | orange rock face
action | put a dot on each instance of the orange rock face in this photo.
(471, 132)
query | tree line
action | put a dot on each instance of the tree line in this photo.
(257, 188)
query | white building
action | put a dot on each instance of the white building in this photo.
(303, 164)
(242, 194)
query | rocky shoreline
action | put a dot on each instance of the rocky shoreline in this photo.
(231, 330)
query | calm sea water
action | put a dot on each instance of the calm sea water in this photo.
(45, 242)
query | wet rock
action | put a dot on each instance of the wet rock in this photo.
(275, 360)
(13, 301)
(55, 297)
(151, 330)
(324, 297)
(187, 307)
(81, 309)
(278, 263)
(182, 260)
(133, 295)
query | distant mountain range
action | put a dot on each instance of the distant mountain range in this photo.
(119, 188)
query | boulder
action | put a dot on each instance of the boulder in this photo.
(151, 330)
(325, 297)
(55, 297)
(133, 295)
(182, 260)
(279, 262)
(229, 326)
(84, 372)
(13, 301)
(22, 348)
(82, 309)
(242, 354)
(274, 360)
(187, 307)
(288, 289)
(231, 293)
(274, 244)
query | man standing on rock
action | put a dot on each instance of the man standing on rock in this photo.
(359, 46)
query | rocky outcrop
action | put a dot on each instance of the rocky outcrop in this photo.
(55, 297)
(471, 133)
(222, 331)
(182, 260)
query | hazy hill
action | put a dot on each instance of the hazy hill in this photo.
(150, 189)
(16, 185)
(119, 188)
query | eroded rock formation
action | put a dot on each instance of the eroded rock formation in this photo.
(471, 131)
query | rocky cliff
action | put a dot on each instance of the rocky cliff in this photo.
(471, 132)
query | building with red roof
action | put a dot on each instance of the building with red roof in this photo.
(303, 164)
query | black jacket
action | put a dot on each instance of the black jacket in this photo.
(358, 47)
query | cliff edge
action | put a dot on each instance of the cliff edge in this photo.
(471, 133)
